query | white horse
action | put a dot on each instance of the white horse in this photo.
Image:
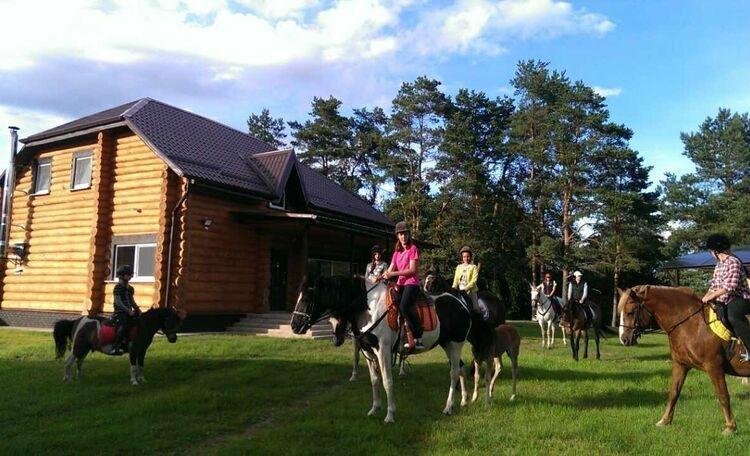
(336, 296)
(546, 316)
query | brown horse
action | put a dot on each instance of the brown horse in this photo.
(680, 313)
(577, 323)
(505, 339)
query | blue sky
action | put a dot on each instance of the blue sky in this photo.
(665, 65)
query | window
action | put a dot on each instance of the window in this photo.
(138, 251)
(42, 175)
(81, 176)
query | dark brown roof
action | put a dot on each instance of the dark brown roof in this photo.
(100, 118)
(216, 154)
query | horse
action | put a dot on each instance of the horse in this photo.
(505, 339)
(578, 323)
(341, 298)
(87, 334)
(693, 345)
(547, 315)
(435, 284)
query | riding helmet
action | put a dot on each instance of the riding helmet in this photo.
(376, 248)
(401, 227)
(578, 273)
(125, 269)
(718, 242)
(465, 248)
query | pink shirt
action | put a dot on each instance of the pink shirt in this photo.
(401, 260)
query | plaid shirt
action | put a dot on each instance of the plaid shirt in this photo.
(730, 275)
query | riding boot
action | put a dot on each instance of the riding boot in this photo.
(118, 346)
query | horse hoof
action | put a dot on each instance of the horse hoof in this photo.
(448, 412)
(372, 411)
(661, 423)
(353, 378)
(729, 431)
(464, 403)
(513, 397)
(134, 382)
(389, 419)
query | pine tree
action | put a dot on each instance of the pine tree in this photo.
(264, 127)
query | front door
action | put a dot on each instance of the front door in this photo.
(278, 293)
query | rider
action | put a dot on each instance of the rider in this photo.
(578, 289)
(465, 279)
(729, 287)
(549, 288)
(405, 266)
(376, 267)
(126, 310)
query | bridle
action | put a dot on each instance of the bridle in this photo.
(307, 316)
(641, 309)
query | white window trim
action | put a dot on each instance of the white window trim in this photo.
(282, 207)
(40, 163)
(81, 156)
(136, 278)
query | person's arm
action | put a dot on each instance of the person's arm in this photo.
(727, 283)
(570, 291)
(456, 277)
(408, 272)
(554, 288)
(473, 276)
(585, 291)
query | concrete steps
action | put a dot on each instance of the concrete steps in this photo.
(276, 324)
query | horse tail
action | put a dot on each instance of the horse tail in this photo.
(63, 334)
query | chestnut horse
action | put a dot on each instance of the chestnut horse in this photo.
(578, 324)
(680, 313)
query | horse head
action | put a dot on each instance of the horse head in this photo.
(634, 316)
(302, 316)
(171, 319)
(434, 284)
(534, 293)
(336, 297)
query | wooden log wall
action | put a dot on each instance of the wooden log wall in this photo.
(227, 268)
(139, 200)
(69, 233)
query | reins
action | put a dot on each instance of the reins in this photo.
(639, 330)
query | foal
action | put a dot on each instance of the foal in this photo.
(504, 339)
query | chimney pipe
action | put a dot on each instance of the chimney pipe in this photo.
(8, 185)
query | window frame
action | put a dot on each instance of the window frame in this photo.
(76, 157)
(137, 242)
(47, 161)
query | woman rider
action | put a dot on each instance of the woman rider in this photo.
(465, 279)
(729, 287)
(376, 267)
(405, 266)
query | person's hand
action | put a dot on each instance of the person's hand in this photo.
(131, 312)
(705, 299)
(384, 276)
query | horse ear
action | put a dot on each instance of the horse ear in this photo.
(640, 290)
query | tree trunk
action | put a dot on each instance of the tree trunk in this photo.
(567, 240)
(615, 298)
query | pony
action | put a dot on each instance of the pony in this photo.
(342, 298)
(505, 339)
(692, 343)
(87, 334)
(578, 323)
(546, 315)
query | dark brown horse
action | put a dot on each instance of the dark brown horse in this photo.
(577, 320)
(680, 313)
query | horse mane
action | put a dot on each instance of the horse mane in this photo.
(662, 292)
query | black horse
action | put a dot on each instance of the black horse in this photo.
(87, 334)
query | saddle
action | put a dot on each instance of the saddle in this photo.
(425, 311)
(108, 332)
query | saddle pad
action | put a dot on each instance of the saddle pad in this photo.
(428, 315)
(716, 325)
(107, 334)
(392, 307)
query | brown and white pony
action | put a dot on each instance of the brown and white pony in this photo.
(87, 334)
(504, 339)
(693, 345)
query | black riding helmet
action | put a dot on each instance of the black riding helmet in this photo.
(125, 269)
(376, 249)
(718, 242)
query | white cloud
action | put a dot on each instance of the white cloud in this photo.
(607, 91)
(30, 122)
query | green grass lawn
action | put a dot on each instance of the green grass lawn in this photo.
(240, 394)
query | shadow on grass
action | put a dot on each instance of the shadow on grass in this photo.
(567, 375)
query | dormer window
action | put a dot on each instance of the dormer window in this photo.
(81, 173)
(42, 176)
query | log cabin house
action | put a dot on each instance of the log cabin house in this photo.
(211, 219)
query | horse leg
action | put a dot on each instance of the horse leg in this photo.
(498, 365)
(375, 381)
(401, 366)
(133, 369)
(453, 351)
(68, 366)
(513, 354)
(564, 335)
(141, 358)
(679, 372)
(596, 339)
(552, 336)
(384, 363)
(79, 366)
(355, 362)
(541, 328)
(462, 382)
(573, 347)
(720, 387)
(586, 347)
(477, 366)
